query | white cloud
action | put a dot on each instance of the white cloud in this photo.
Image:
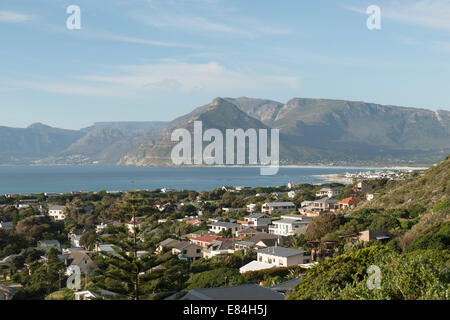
(176, 76)
(15, 17)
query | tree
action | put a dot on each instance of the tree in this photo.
(88, 240)
(121, 271)
(323, 224)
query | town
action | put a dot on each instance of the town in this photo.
(233, 242)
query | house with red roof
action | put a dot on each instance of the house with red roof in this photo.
(349, 202)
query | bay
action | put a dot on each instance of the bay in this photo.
(62, 179)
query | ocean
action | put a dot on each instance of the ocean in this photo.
(62, 179)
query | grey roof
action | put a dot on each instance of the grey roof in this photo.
(242, 292)
(327, 200)
(328, 189)
(245, 243)
(56, 207)
(261, 236)
(224, 224)
(291, 221)
(280, 251)
(256, 215)
(280, 204)
(287, 285)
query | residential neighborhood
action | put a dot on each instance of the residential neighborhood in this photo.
(233, 237)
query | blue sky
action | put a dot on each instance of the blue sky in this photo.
(158, 59)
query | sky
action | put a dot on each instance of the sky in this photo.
(149, 60)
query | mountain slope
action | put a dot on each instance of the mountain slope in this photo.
(220, 114)
(21, 145)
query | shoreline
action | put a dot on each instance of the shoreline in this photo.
(293, 166)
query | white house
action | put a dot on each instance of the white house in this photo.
(258, 219)
(251, 207)
(328, 192)
(370, 196)
(281, 256)
(218, 226)
(255, 266)
(272, 207)
(6, 225)
(292, 185)
(289, 225)
(57, 212)
(291, 194)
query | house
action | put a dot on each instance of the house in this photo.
(349, 202)
(137, 224)
(205, 241)
(6, 225)
(291, 194)
(80, 259)
(257, 220)
(229, 189)
(370, 196)
(57, 212)
(95, 295)
(219, 226)
(46, 244)
(363, 186)
(289, 225)
(259, 241)
(292, 185)
(251, 291)
(280, 256)
(218, 247)
(229, 210)
(168, 243)
(324, 204)
(255, 266)
(242, 292)
(251, 207)
(288, 286)
(193, 222)
(246, 232)
(272, 207)
(108, 248)
(305, 203)
(188, 251)
(328, 192)
(8, 292)
(369, 235)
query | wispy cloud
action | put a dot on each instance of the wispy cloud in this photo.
(177, 76)
(168, 76)
(15, 17)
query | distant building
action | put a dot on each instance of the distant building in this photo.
(273, 207)
(219, 226)
(349, 202)
(243, 292)
(6, 225)
(280, 256)
(251, 207)
(328, 192)
(289, 225)
(258, 220)
(57, 212)
(292, 185)
(49, 244)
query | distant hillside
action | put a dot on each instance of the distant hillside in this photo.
(312, 131)
(220, 114)
(126, 126)
(320, 131)
(22, 145)
(426, 189)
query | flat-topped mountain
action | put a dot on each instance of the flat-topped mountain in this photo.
(312, 131)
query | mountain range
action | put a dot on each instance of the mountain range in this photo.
(312, 131)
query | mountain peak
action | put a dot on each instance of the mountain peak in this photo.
(38, 125)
